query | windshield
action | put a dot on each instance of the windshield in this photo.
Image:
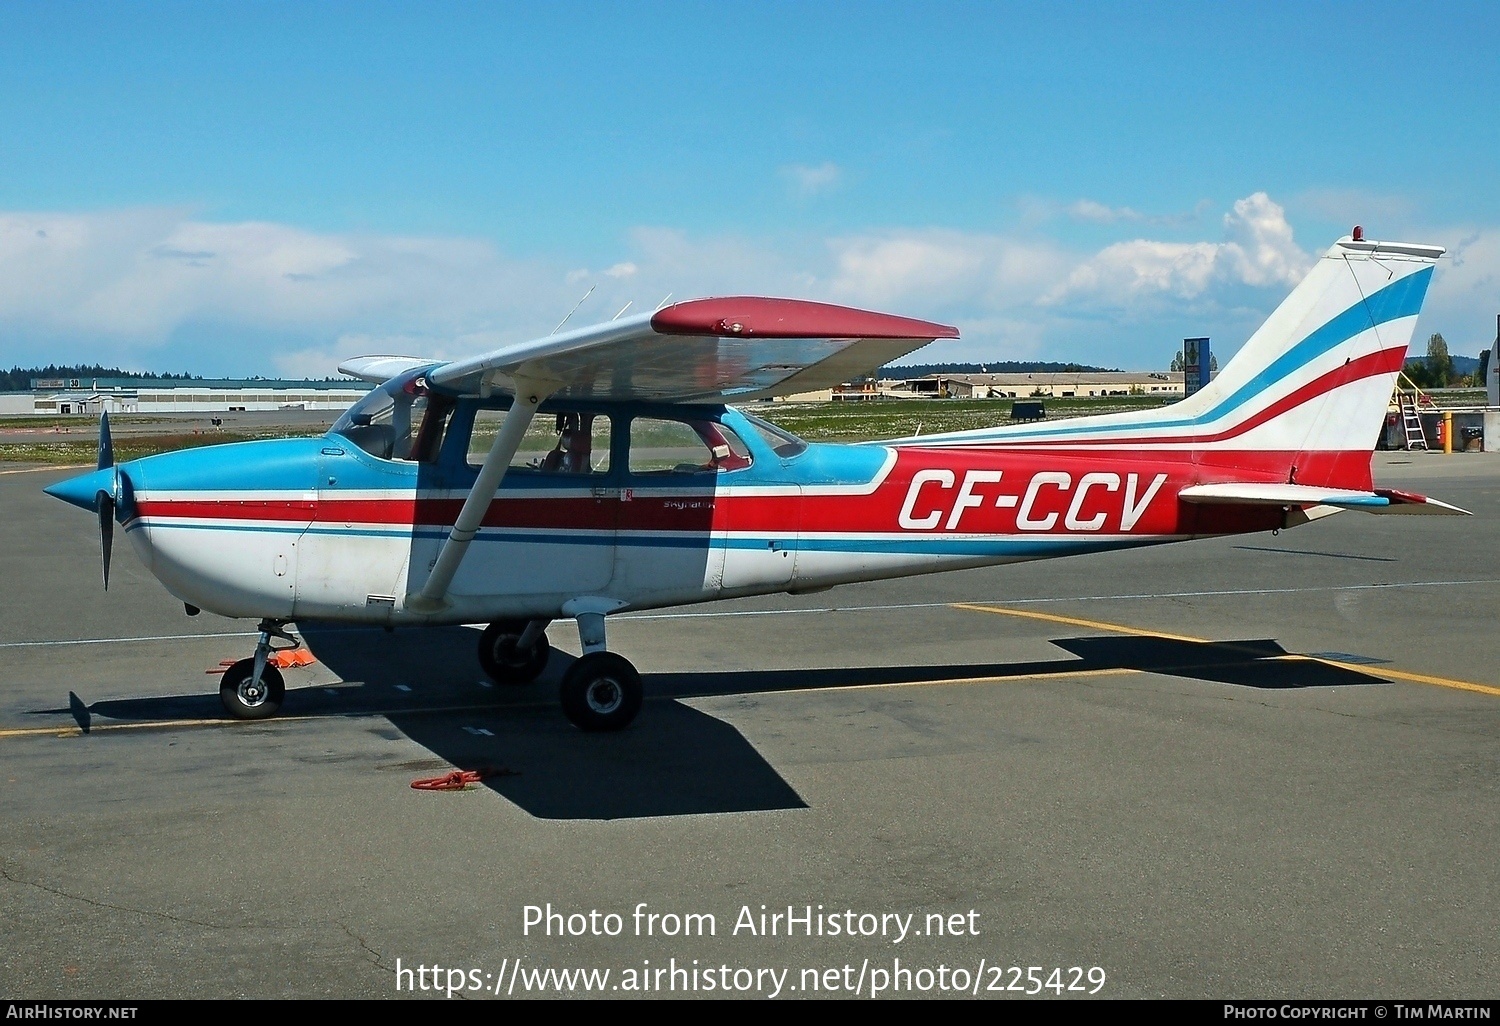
(782, 443)
(400, 420)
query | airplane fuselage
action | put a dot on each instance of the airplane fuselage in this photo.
(595, 471)
(320, 529)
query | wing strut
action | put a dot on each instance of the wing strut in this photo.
(529, 395)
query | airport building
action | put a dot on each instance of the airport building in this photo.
(1048, 385)
(1038, 385)
(92, 396)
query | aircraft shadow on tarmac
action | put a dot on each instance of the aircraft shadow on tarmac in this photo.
(675, 760)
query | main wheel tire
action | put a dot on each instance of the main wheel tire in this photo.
(245, 701)
(504, 661)
(601, 691)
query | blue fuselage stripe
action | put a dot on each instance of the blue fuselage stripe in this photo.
(853, 544)
(1399, 299)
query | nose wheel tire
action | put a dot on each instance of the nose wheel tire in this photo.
(504, 661)
(244, 699)
(601, 691)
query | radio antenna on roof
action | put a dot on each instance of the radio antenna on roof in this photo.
(573, 311)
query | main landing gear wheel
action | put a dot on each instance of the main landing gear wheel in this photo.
(502, 658)
(601, 691)
(243, 698)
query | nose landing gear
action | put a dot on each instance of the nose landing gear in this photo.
(253, 689)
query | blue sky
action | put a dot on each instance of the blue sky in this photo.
(264, 188)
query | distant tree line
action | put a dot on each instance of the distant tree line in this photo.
(18, 379)
(921, 370)
(1439, 369)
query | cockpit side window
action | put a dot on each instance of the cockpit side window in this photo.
(367, 424)
(782, 443)
(401, 420)
(661, 446)
(572, 442)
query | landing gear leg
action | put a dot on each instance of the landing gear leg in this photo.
(514, 651)
(252, 689)
(601, 691)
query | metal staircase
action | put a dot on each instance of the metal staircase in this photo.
(1408, 400)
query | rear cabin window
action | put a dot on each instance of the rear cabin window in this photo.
(667, 447)
(563, 443)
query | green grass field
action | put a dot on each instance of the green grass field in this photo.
(85, 451)
(895, 418)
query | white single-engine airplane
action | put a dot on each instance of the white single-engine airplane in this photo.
(444, 498)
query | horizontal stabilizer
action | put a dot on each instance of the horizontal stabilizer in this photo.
(1381, 500)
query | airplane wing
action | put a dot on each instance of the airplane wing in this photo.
(380, 369)
(1381, 500)
(736, 348)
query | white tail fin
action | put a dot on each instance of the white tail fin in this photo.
(1317, 377)
(1308, 391)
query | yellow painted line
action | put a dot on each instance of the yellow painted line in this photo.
(1072, 621)
(1418, 678)
(1111, 671)
(76, 731)
(73, 730)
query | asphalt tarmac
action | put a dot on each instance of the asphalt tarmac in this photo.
(1124, 763)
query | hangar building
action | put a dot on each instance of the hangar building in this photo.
(65, 396)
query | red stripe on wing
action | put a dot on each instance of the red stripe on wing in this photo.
(759, 317)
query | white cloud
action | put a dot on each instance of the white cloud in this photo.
(941, 267)
(321, 361)
(132, 278)
(316, 362)
(1100, 213)
(1261, 250)
(881, 270)
(672, 260)
(134, 284)
(1258, 250)
(1141, 266)
(1091, 210)
(808, 181)
(141, 274)
(1465, 293)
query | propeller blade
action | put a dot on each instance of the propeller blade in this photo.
(105, 505)
(106, 446)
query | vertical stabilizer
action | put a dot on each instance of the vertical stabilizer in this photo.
(1315, 381)
(1304, 399)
